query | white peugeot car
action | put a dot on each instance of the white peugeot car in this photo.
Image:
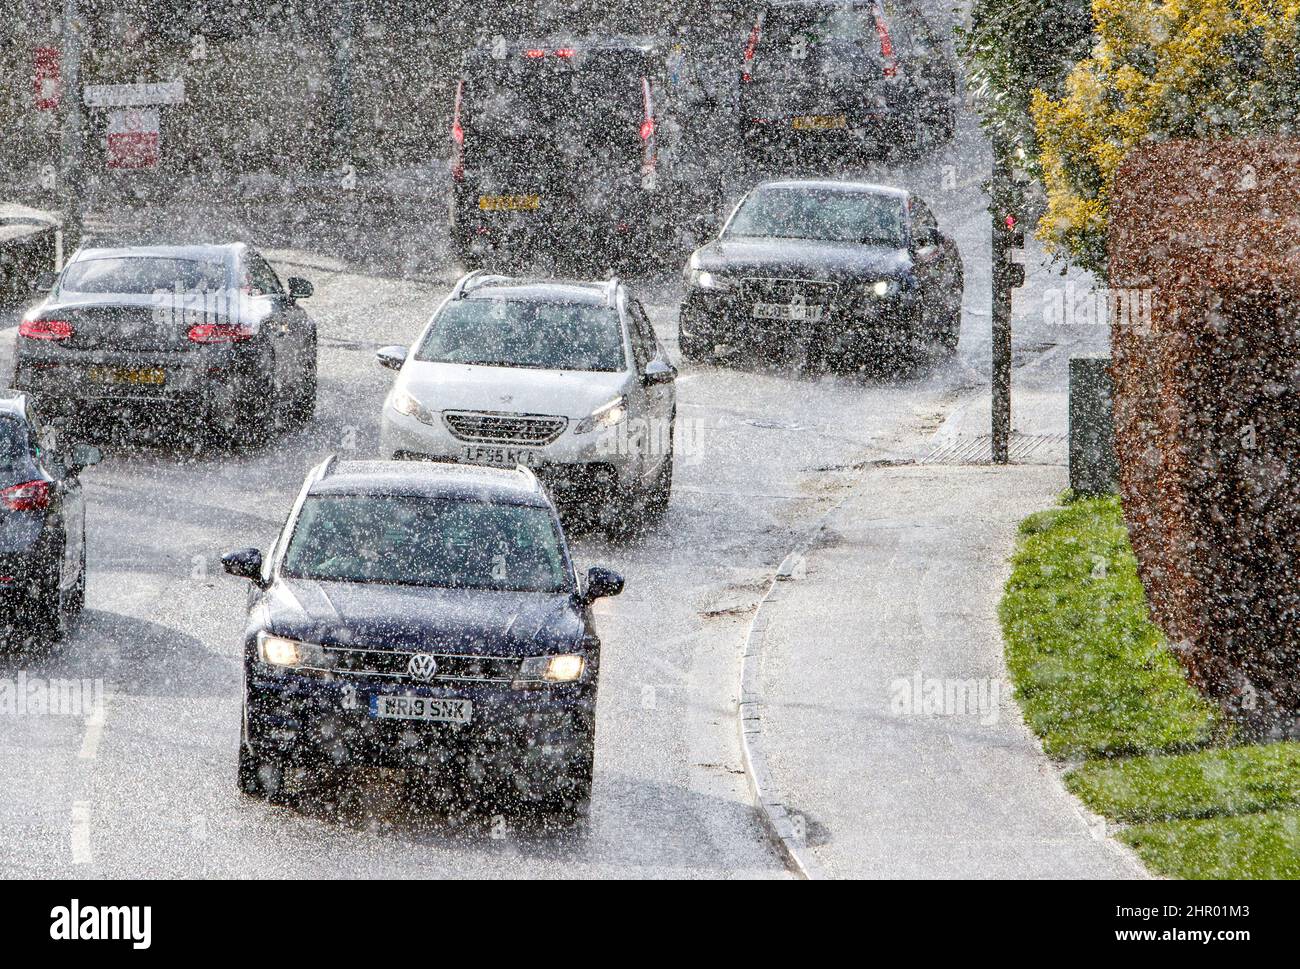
(565, 378)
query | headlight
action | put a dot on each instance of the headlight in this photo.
(564, 668)
(281, 651)
(404, 403)
(881, 287)
(705, 279)
(605, 416)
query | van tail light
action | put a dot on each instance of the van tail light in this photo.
(31, 496)
(649, 159)
(458, 136)
(886, 42)
(45, 329)
(219, 333)
(749, 50)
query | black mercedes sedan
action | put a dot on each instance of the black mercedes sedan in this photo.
(42, 523)
(847, 273)
(425, 617)
(204, 335)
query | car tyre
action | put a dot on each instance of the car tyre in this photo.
(661, 494)
(303, 408)
(261, 777)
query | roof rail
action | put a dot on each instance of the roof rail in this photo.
(463, 283)
(611, 291)
(325, 467)
(527, 472)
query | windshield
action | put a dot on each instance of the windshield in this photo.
(832, 216)
(520, 333)
(444, 543)
(142, 275)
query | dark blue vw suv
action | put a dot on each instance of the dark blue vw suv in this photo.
(421, 616)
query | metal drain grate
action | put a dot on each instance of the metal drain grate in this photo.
(1022, 449)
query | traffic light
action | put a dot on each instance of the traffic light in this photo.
(1012, 240)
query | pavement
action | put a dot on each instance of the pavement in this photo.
(876, 699)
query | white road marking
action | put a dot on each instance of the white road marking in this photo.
(81, 854)
(94, 732)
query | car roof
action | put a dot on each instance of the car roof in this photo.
(429, 479)
(201, 253)
(831, 185)
(591, 292)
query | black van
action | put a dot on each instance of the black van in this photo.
(873, 75)
(566, 146)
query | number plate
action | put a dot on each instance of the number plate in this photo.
(808, 312)
(433, 709)
(147, 376)
(501, 457)
(819, 122)
(509, 203)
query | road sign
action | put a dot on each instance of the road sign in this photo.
(134, 140)
(134, 95)
(48, 80)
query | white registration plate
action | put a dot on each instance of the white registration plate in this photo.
(809, 312)
(502, 457)
(395, 707)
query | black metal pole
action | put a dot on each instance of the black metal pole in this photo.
(73, 134)
(1001, 311)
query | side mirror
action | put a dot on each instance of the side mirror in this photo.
(658, 372)
(244, 564)
(925, 239)
(391, 357)
(83, 456)
(601, 583)
(299, 288)
(43, 283)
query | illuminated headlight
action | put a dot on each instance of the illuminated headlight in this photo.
(564, 668)
(603, 417)
(704, 279)
(281, 651)
(881, 287)
(404, 403)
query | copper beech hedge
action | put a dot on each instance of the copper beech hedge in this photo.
(1204, 247)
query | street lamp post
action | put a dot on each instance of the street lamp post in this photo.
(73, 140)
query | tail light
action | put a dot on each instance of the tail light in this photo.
(565, 52)
(219, 333)
(749, 50)
(886, 43)
(45, 329)
(458, 136)
(647, 131)
(534, 53)
(32, 496)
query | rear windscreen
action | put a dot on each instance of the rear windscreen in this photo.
(142, 275)
(552, 106)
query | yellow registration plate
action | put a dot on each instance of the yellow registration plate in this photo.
(509, 203)
(148, 376)
(819, 122)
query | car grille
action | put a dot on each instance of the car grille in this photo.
(487, 428)
(813, 292)
(394, 664)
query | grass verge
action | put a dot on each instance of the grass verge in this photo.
(1097, 682)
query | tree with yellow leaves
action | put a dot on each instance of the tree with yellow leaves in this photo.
(1160, 69)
